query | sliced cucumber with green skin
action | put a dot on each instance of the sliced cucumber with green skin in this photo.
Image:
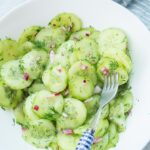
(80, 87)
(95, 36)
(102, 144)
(28, 109)
(113, 142)
(81, 129)
(84, 69)
(123, 75)
(25, 47)
(74, 114)
(100, 131)
(8, 51)
(67, 142)
(69, 21)
(42, 128)
(49, 105)
(36, 87)
(112, 130)
(40, 133)
(126, 98)
(92, 104)
(13, 76)
(51, 38)
(82, 34)
(112, 39)
(29, 34)
(39, 143)
(117, 115)
(107, 66)
(102, 127)
(122, 58)
(34, 62)
(64, 60)
(9, 98)
(55, 79)
(54, 146)
(87, 50)
(66, 48)
(65, 54)
(20, 116)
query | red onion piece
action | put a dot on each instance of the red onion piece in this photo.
(36, 107)
(26, 76)
(105, 71)
(83, 67)
(23, 129)
(97, 140)
(56, 94)
(67, 131)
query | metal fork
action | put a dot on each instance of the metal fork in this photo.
(109, 91)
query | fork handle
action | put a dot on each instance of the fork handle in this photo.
(86, 140)
(97, 117)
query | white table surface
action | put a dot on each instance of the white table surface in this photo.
(6, 5)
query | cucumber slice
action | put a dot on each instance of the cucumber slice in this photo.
(65, 54)
(40, 133)
(87, 49)
(34, 62)
(117, 115)
(64, 60)
(122, 59)
(28, 109)
(84, 69)
(20, 116)
(54, 146)
(82, 34)
(102, 128)
(123, 75)
(113, 142)
(92, 105)
(126, 98)
(13, 76)
(29, 34)
(108, 66)
(36, 87)
(81, 129)
(69, 21)
(51, 38)
(25, 47)
(74, 114)
(81, 87)
(8, 97)
(50, 106)
(8, 51)
(55, 79)
(102, 144)
(39, 143)
(67, 142)
(100, 131)
(112, 39)
(41, 129)
(66, 48)
(112, 130)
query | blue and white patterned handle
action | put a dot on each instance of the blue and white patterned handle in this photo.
(86, 140)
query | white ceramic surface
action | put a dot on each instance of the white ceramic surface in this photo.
(100, 14)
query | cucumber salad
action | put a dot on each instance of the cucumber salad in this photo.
(51, 77)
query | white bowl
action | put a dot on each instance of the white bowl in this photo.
(100, 14)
